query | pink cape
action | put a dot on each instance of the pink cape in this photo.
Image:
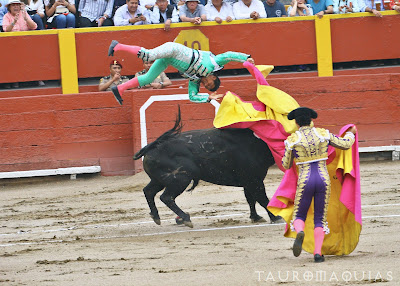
(344, 212)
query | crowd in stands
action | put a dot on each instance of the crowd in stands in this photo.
(24, 15)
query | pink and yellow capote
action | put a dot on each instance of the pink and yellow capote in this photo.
(268, 120)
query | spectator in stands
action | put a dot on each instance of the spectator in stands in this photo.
(274, 8)
(117, 4)
(345, 6)
(131, 14)
(3, 11)
(395, 5)
(218, 11)
(115, 78)
(62, 11)
(299, 8)
(177, 3)
(95, 13)
(192, 12)
(160, 82)
(231, 2)
(369, 6)
(249, 9)
(164, 13)
(35, 8)
(322, 7)
(148, 4)
(17, 19)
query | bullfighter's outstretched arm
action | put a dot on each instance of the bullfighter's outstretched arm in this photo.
(223, 59)
(194, 94)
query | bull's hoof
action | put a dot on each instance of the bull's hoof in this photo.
(188, 223)
(156, 220)
(179, 220)
(258, 219)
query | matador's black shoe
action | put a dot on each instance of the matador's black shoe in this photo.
(319, 258)
(298, 243)
(111, 48)
(117, 96)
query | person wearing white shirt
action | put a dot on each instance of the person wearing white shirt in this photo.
(148, 4)
(35, 9)
(192, 12)
(369, 6)
(164, 13)
(131, 14)
(60, 13)
(95, 13)
(345, 6)
(218, 11)
(249, 9)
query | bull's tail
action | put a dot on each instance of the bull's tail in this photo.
(172, 133)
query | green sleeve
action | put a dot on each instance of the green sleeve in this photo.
(223, 59)
(194, 95)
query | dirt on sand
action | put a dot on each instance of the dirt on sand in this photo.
(97, 231)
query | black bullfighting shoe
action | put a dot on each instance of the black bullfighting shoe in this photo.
(111, 48)
(298, 244)
(319, 258)
(117, 96)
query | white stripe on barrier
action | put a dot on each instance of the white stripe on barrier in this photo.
(154, 98)
(50, 172)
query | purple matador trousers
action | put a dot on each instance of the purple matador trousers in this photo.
(314, 183)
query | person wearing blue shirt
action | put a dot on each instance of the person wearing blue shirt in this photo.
(274, 8)
(321, 7)
(3, 11)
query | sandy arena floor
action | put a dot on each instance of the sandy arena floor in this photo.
(97, 231)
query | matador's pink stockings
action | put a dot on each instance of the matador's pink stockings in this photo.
(319, 235)
(298, 225)
(127, 48)
(128, 85)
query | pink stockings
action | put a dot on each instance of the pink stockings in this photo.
(298, 225)
(319, 235)
(127, 48)
(133, 82)
(127, 85)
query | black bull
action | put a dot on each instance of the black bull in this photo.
(229, 157)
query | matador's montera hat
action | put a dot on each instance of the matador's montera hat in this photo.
(302, 112)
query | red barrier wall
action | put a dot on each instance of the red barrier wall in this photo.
(52, 131)
(367, 38)
(29, 58)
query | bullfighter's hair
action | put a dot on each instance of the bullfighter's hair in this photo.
(302, 115)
